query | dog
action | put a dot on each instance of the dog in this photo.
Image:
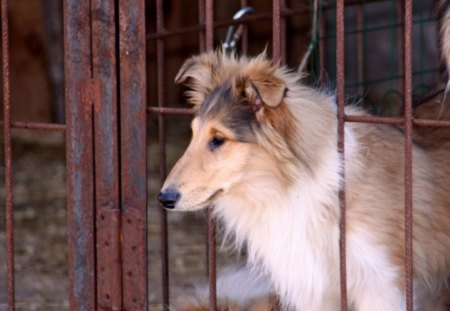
(239, 288)
(264, 157)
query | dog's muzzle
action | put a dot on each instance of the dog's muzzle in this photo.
(169, 198)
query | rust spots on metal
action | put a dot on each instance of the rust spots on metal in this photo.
(407, 51)
(8, 158)
(276, 31)
(106, 156)
(133, 181)
(340, 89)
(79, 137)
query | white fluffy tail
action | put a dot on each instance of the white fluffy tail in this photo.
(238, 289)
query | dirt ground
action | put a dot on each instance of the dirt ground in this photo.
(40, 228)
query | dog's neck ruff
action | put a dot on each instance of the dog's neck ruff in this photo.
(292, 235)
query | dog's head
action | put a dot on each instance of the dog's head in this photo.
(241, 131)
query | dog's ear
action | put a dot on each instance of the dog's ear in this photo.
(195, 68)
(265, 90)
(196, 73)
(270, 90)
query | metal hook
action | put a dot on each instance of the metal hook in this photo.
(232, 35)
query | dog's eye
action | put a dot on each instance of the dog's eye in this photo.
(216, 142)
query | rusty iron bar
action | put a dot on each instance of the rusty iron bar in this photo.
(400, 41)
(8, 158)
(283, 26)
(244, 40)
(211, 226)
(322, 29)
(276, 31)
(340, 90)
(360, 46)
(438, 57)
(278, 51)
(133, 152)
(347, 118)
(201, 21)
(160, 60)
(168, 110)
(431, 123)
(79, 153)
(106, 157)
(285, 12)
(373, 119)
(407, 52)
(36, 126)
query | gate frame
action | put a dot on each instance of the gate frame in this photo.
(105, 90)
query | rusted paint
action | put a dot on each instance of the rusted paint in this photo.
(212, 264)
(407, 51)
(283, 33)
(374, 119)
(322, 46)
(276, 31)
(340, 90)
(106, 154)
(8, 159)
(244, 40)
(133, 153)
(36, 126)
(360, 46)
(80, 179)
(169, 110)
(201, 21)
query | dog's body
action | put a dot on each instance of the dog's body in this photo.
(264, 154)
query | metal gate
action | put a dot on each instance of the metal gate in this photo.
(106, 124)
(104, 53)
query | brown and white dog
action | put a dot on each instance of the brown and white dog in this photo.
(264, 156)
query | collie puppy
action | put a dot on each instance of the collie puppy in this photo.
(264, 156)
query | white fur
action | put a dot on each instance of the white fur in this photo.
(233, 286)
(291, 238)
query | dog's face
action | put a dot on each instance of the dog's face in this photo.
(210, 166)
(236, 106)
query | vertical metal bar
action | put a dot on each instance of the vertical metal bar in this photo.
(400, 40)
(276, 30)
(104, 89)
(407, 50)
(360, 45)
(209, 19)
(244, 37)
(283, 49)
(160, 60)
(8, 158)
(340, 83)
(322, 47)
(132, 95)
(201, 21)
(438, 56)
(79, 149)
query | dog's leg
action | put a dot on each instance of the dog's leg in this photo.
(380, 296)
(373, 279)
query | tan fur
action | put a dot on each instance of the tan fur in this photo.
(289, 145)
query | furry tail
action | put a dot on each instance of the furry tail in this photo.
(238, 289)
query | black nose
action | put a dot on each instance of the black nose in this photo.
(169, 198)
